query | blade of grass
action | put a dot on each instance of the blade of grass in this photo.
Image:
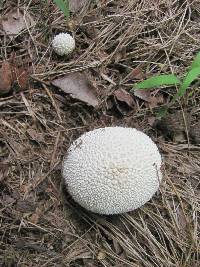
(64, 6)
(190, 77)
(196, 62)
(157, 81)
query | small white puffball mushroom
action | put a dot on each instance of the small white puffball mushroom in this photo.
(63, 44)
(112, 170)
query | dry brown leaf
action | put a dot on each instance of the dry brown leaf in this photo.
(143, 94)
(153, 101)
(14, 22)
(10, 74)
(77, 85)
(124, 96)
(76, 5)
(25, 206)
(137, 73)
(21, 76)
(5, 78)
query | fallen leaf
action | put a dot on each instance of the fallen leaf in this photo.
(124, 96)
(14, 22)
(10, 74)
(5, 78)
(76, 5)
(21, 76)
(21, 70)
(153, 101)
(78, 86)
(137, 73)
(143, 94)
(25, 206)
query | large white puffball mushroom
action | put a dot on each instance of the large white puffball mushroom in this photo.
(63, 44)
(112, 170)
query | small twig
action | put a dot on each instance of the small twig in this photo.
(28, 106)
(53, 102)
(54, 150)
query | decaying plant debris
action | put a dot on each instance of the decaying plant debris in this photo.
(39, 223)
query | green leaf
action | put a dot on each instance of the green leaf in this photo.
(157, 81)
(64, 6)
(190, 77)
(196, 62)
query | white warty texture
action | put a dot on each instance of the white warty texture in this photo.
(112, 170)
(63, 44)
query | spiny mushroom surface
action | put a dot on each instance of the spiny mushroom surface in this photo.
(112, 170)
(63, 44)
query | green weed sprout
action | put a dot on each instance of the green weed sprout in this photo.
(64, 6)
(171, 79)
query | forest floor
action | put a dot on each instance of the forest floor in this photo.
(118, 43)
